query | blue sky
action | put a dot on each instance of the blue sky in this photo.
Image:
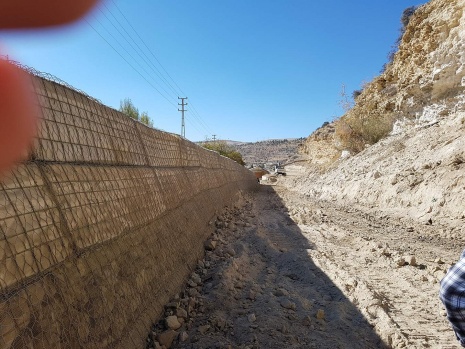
(251, 69)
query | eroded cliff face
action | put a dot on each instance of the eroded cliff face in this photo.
(426, 77)
(424, 83)
(320, 146)
(416, 171)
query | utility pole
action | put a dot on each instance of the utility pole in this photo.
(182, 110)
(214, 137)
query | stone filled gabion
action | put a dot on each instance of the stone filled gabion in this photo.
(102, 224)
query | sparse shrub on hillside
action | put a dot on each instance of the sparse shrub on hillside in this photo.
(366, 125)
(399, 146)
(377, 127)
(384, 67)
(356, 93)
(347, 138)
(223, 149)
(353, 134)
(345, 103)
(406, 15)
(404, 20)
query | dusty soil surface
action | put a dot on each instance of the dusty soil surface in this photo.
(283, 271)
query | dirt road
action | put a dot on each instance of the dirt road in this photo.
(389, 269)
(283, 271)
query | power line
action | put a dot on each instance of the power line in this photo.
(174, 105)
(193, 125)
(200, 120)
(140, 52)
(148, 48)
(135, 60)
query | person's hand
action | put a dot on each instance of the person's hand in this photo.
(19, 113)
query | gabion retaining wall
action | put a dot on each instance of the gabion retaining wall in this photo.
(102, 225)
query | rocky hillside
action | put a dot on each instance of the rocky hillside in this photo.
(270, 151)
(418, 169)
(319, 146)
(423, 83)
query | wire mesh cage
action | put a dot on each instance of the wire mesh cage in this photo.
(101, 225)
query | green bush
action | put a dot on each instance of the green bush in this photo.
(127, 107)
(144, 118)
(223, 149)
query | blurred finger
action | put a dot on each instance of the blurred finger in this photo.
(19, 115)
(17, 14)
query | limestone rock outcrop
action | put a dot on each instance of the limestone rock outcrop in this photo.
(416, 171)
(320, 146)
(425, 80)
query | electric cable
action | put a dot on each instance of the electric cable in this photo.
(174, 105)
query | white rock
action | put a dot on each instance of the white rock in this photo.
(287, 304)
(230, 251)
(439, 274)
(210, 245)
(172, 322)
(281, 292)
(411, 260)
(196, 278)
(166, 338)
(184, 336)
(203, 329)
(181, 313)
(345, 154)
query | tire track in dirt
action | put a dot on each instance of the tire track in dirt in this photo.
(259, 288)
(367, 256)
(285, 272)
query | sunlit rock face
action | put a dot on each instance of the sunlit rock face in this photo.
(424, 83)
(428, 70)
(417, 170)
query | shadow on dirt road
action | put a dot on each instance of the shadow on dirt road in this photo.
(262, 290)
